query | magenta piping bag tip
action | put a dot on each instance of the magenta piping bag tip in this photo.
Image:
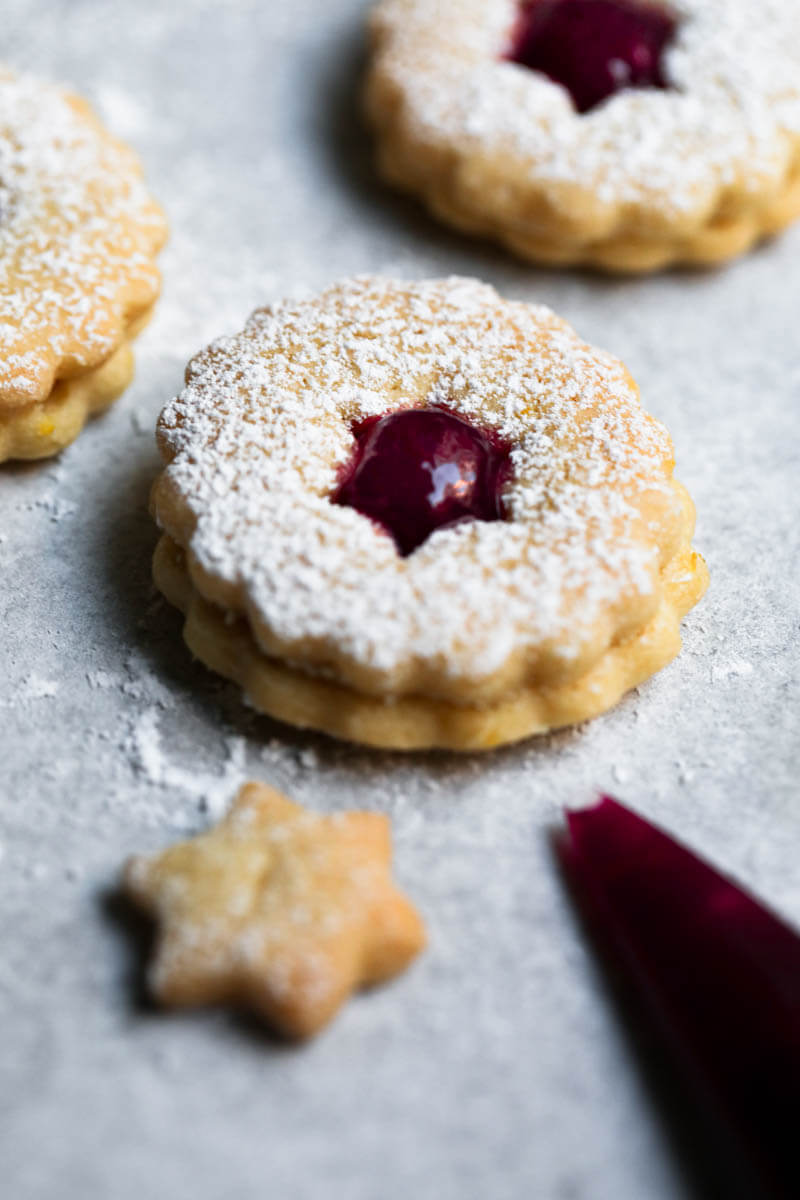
(717, 973)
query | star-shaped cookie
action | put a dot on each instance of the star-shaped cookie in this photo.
(277, 909)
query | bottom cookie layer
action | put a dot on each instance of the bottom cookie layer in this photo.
(43, 429)
(727, 234)
(418, 722)
(717, 242)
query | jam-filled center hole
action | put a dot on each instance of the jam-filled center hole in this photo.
(594, 48)
(423, 469)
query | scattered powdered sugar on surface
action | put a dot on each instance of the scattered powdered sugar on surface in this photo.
(125, 113)
(35, 688)
(730, 117)
(56, 507)
(733, 668)
(263, 427)
(212, 789)
(32, 688)
(103, 679)
(137, 683)
(78, 231)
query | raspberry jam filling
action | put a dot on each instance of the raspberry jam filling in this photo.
(424, 469)
(594, 48)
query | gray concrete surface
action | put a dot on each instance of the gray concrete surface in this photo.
(498, 1067)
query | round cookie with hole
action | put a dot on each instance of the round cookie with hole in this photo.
(627, 135)
(419, 515)
(78, 237)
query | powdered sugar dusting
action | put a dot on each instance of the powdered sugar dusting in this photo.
(31, 688)
(730, 119)
(262, 429)
(78, 232)
(212, 789)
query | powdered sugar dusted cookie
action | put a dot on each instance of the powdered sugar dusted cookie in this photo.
(416, 514)
(78, 235)
(278, 909)
(625, 134)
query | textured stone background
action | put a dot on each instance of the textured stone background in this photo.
(498, 1067)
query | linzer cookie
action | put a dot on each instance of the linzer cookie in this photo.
(78, 236)
(623, 134)
(416, 514)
